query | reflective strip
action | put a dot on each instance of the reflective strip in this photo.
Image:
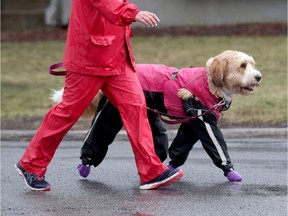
(174, 74)
(86, 137)
(214, 140)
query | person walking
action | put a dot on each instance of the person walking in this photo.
(97, 56)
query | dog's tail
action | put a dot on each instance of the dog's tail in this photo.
(56, 97)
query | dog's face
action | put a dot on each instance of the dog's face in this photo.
(232, 72)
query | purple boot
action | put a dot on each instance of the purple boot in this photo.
(170, 166)
(234, 176)
(83, 170)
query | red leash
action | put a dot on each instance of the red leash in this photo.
(54, 72)
(183, 119)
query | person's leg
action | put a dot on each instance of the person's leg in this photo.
(126, 94)
(105, 126)
(182, 145)
(78, 93)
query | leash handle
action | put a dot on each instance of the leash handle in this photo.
(56, 66)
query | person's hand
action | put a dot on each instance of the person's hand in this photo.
(147, 18)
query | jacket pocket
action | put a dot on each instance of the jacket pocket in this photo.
(100, 51)
(102, 40)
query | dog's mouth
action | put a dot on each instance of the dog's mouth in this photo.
(249, 87)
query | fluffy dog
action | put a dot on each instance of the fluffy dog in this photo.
(194, 97)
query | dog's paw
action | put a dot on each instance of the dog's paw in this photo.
(184, 94)
(234, 176)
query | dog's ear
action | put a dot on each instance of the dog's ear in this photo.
(217, 69)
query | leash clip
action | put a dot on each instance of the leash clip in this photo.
(221, 103)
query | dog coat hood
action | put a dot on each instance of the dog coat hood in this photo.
(159, 78)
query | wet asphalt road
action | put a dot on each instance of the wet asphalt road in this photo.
(112, 188)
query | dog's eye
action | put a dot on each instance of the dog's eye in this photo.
(243, 65)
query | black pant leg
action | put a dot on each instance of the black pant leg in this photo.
(213, 141)
(106, 125)
(155, 100)
(205, 126)
(182, 145)
(160, 136)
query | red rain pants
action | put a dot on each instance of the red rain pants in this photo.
(125, 92)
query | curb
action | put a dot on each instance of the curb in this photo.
(76, 135)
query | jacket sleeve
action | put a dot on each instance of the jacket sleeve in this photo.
(118, 12)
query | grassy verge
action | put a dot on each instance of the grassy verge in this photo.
(26, 84)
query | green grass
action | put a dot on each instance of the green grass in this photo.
(26, 84)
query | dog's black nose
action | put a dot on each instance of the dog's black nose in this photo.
(258, 78)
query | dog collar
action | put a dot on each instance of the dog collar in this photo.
(226, 105)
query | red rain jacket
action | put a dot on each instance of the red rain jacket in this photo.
(98, 39)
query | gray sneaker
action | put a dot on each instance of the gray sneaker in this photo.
(34, 182)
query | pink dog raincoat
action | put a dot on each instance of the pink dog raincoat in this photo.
(159, 78)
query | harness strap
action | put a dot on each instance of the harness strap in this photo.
(174, 74)
(54, 72)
